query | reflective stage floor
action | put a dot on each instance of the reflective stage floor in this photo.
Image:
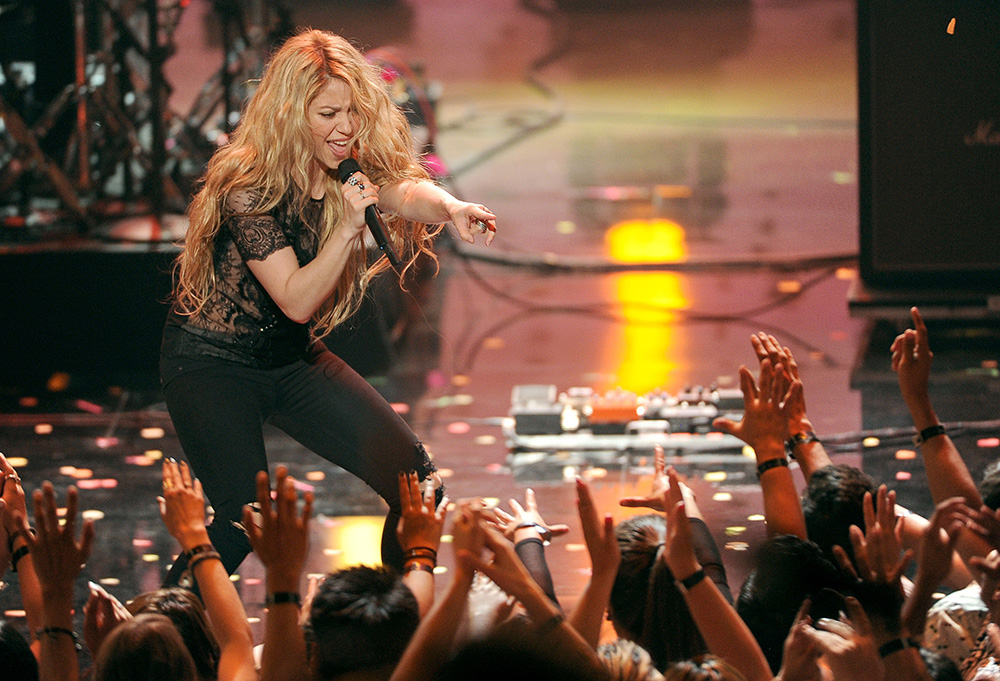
(721, 135)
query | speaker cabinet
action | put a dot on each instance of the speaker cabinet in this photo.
(929, 142)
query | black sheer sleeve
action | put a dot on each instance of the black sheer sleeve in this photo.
(532, 554)
(256, 235)
(709, 557)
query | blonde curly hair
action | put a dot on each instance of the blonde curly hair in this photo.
(271, 153)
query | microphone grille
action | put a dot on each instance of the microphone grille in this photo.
(347, 168)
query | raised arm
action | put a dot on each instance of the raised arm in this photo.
(182, 508)
(801, 439)
(281, 542)
(419, 533)
(763, 427)
(424, 201)
(605, 556)
(58, 559)
(16, 544)
(725, 634)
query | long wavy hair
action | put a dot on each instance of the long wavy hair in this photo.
(271, 153)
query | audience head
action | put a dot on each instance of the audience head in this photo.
(788, 570)
(515, 652)
(16, 659)
(989, 486)
(187, 613)
(940, 667)
(703, 668)
(146, 647)
(646, 606)
(627, 661)
(833, 502)
(361, 619)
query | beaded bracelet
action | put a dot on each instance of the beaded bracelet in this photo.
(413, 565)
(208, 555)
(52, 632)
(200, 548)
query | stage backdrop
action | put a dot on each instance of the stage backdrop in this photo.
(929, 135)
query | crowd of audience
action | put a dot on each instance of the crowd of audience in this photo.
(828, 599)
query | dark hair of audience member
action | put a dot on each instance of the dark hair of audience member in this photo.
(646, 606)
(833, 501)
(628, 661)
(515, 652)
(702, 668)
(187, 613)
(989, 486)
(146, 647)
(788, 570)
(939, 667)
(361, 618)
(16, 659)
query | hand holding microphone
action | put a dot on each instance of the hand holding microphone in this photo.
(373, 218)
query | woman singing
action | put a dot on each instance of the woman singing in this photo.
(274, 260)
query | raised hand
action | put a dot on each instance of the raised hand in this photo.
(421, 522)
(986, 523)
(661, 484)
(764, 426)
(281, 539)
(58, 555)
(12, 494)
(598, 533)
(877, 551)
(801, 652)
(525, 516)
(911, 359)
(848, 645)
(101, 614)
(679, 553)
(182, 506)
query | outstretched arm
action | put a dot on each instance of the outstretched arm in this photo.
(807, 449)
(281, 541)
(58, 559)
(182, 508)
(605, 555)
(725, 633)
(419, 533)
(20, 558)
(424, 201)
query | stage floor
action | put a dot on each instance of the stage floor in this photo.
(719, 133)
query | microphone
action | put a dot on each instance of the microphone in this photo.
(373, 218)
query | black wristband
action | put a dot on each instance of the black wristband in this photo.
(279, 597)
(17, 535)
(691, 580)
(927, 433)
(765, 466)
(52, 632)
(16, 556)
(897, 644)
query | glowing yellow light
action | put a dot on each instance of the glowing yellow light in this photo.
(358, 540)
(82, 473)
(67, 470)
(150, 557)
(871, 442)
(565, 227)
(459, 380)
(748, 452)
(445, 472)
(649, 302)
(716, 476)
(905, 454)
(315, 476)
(110, 581)
(485, 440)
(57, 382)
(253, 620)
(737, 546)
(789, 286)
(846, 273)
(17, 461)
(735, 530)
(153, 454)
(234, 578)
(92, 514)
(595, 473)
(573, 548)
(440, 570)
(937, 595)
(447, 538)
(951, 26)
(14, 613)
(43, 428)
(722, 496)
(151, 433)
(756, 518)
(462, 399)
(490, 502)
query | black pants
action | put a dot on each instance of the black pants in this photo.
(219, 409)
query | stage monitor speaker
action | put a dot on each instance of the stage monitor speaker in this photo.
(929, 142)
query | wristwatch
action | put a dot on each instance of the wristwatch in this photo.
(801, 438)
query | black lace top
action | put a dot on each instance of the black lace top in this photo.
(240, 322)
